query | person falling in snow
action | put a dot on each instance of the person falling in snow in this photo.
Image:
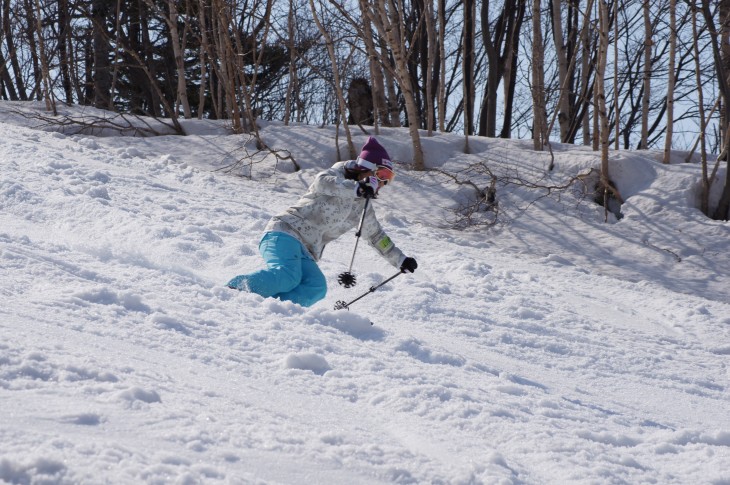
(294, 240)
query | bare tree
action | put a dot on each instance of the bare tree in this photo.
(45, 72)
(539, 110)
(616, 107)
(585, 75)
(203, 57)
(386, 15)
(670, 82)
(380, 110)
(102, 72)
(442, 69)
(648, 43)
(467, 45)
(431, 65)
(501, 40)
(228, 64)
(705, 193)
(565, 111)
(564, 63)
(12, 52)
(176, 40)
(292, 91)
(573, 90)
(606, 186)
(64, 40)
(722, 57)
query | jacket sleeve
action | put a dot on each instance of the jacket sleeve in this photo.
(378, 239)
(333, 182)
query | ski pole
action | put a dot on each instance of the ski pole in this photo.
(347, 279)
(341, 305)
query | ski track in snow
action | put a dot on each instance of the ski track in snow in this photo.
(124, 359)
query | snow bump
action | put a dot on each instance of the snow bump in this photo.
(307, 361)
(138, 394)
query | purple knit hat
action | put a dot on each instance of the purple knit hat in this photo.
(374, 153)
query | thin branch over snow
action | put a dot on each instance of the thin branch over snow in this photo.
(98, 125)
(249, 159)
(484, 208)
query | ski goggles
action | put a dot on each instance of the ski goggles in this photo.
(385, 175)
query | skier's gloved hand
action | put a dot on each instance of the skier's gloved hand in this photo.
(409, 264)
(367, 188)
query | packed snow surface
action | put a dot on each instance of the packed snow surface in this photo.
(557, 345)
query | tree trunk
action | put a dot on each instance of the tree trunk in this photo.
(515, 17)
(227, 65)
(564, 114)
(431, 59)
(147, 73)
(601, 95)
(723, 207)
(585, 88)
(203, 56)
(33, 51)
(723, 12)
(643, 144)
(380, 109)
(670, 80)
(176, 41)
(64, 61)
(117, 42)
(12, 52)
(468, 68)
(45, 73)
(596, 138)
(6, 81)
(391, 94)
(442, 68)
(291, 85)
(616, 106)
(539, 110)
(102, 72)
(705, 194)
(492, 41)
(719, 39)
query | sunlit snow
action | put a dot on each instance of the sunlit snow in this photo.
(552, 348)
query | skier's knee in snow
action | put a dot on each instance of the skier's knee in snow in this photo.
(314, 295)
(285, 279)
(310, 291)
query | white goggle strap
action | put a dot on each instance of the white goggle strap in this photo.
(364, 163)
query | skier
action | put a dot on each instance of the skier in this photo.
(294, 239)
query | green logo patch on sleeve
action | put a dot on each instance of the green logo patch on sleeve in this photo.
(385, 243)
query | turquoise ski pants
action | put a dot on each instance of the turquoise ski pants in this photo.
(291, 273)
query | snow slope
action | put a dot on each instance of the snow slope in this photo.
(551, 348)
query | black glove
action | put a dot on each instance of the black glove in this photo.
(409, 264)
(366, 188)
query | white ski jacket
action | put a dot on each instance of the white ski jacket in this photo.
(329, 209)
